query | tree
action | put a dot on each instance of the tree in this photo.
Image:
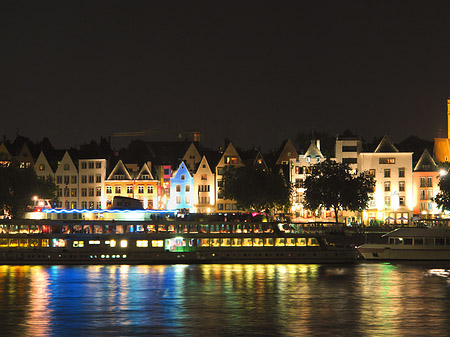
(332, 185)
(18, 186)
(256, 189)
(442, 199)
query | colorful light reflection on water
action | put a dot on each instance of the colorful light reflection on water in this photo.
(206, 300)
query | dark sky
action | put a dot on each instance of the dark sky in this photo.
(256, 72)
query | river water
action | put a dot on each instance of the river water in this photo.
(367, 299)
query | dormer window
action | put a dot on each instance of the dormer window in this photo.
(182, 177)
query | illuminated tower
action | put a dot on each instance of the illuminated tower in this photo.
(448, 117)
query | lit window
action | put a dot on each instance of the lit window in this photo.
(123, 243)
(158, 243)
(58, 243)
(142, 243)
(78, 244)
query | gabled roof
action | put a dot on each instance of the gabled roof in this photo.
(385, 146)
(426, 163)
(286, 152)
(205, 162)
(313, 151)
(119, 169)
(144, 171)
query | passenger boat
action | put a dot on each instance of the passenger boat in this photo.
(410, 243)
(160, 241)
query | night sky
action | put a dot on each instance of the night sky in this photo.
(255, 72)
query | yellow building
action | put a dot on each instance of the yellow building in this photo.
(127, 180)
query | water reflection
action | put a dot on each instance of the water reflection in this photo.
(204, 300)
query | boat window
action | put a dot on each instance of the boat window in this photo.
(247, 242)
(447, 241)
(79, 244)
(225, 242)
(215, 242)
(214, 228)
(13, 242)
(58, 243)
(151, 228)
(268, 242)
(290, 242)
(440, 241)
(280, 242)
(418, 241)
(161, 228)
(398, 241)
(301, 242)
(34, 242)
(429, 241)
(123, 243)
(259, 242)
(204, 242)
(408, 241)
(142, 243)
(23, 229)
(313, 242)
(158, 243)
(23, 242)
(3, 242)
(45, 243)
(94, 242)
(236, 242)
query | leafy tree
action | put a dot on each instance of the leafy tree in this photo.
(18, 186)
(255, 188)
(442, 199)
(332, 185)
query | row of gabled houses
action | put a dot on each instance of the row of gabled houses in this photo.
(182, 175)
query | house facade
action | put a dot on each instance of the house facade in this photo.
(393, 199)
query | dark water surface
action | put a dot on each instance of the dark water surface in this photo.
(378, 299)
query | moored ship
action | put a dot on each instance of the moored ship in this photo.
(161, 241)
(410, 243)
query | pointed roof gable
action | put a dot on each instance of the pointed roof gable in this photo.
(230, 150)
(200, 167)
(42, 159)
(119, 169)
(144, 171)
(259, 161)
(385, 146)
(182, 169)
(313, 151)
(426, 163)
(287, 152)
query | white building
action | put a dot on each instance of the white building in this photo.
(299, 168)
(204, 188)
(348, 150)
(92, 174)
(393, 194)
